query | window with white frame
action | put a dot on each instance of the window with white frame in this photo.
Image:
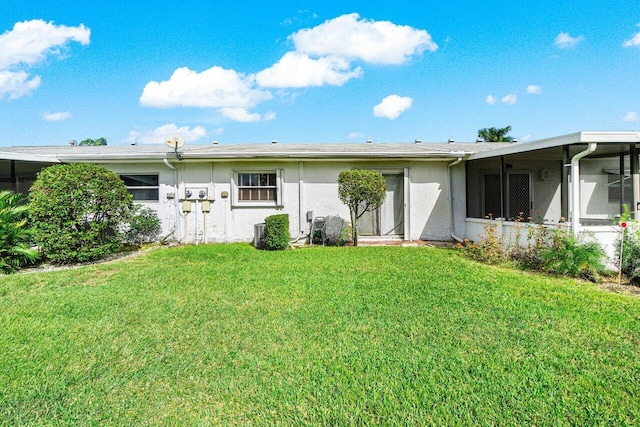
(142, 187)
(257, 188)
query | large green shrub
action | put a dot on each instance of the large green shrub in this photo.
(15, 235)
(276, 232)
(77, 210)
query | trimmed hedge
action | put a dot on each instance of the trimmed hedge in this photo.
(276, 232)
(77, 210)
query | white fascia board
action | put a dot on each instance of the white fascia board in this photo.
(324, 156)
(559, 141)
(127, 158)
(610, 137)
(28, 157)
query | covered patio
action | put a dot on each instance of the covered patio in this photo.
(582, 181)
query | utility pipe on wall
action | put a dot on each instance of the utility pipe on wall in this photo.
(176, 227)
(197, 232)
(301, 205)
(575, 187)
(451, 219)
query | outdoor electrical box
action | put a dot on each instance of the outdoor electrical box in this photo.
(171, 196)
(186, 206)
(309, 216)
(206, 206)
(196, 193)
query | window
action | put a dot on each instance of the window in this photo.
(142, 187)
(257, 188)
(614, 188)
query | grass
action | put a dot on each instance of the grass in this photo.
(229, 335)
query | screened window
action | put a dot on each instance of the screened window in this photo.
(258, 188)
(492, 195)
(142, 187)
(616, 190)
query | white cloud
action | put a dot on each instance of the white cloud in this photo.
(323, 55)
(633, 41)
(27, 44)
(216, 87)
(158, 135)
(299, 70)
(377, 42)
(242, 115)
(565, 41)
(56, 117)
(16, 84)
(356, 135)
(392, 106)
(631, 117)
(510, 99)
(31, 41)
(534, 90)
(490, 99)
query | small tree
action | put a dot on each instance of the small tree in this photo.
(495, 135)
(362, 191)
(15, 235)
(77, 210)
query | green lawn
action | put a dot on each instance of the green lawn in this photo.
(225, 334)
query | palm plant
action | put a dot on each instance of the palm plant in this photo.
(15, 235)
(495, 135)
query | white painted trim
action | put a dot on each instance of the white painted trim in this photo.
(406, 184)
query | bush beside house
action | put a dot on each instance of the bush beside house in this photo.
(276, 232)
(143, 227)
(554, 251)
(77, 210)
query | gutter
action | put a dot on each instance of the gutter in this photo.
(575, 187)
(451, 219)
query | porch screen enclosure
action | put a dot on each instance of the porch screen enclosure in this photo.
(519, 200)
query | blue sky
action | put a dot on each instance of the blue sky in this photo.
(330, 71)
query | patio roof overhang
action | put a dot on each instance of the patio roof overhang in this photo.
(607, 141)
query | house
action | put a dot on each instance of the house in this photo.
(435, 191)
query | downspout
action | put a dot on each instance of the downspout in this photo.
(176, 226)
(575, 187)
(451, 220)
(301, 203)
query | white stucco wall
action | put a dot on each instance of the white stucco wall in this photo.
(427, 204)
